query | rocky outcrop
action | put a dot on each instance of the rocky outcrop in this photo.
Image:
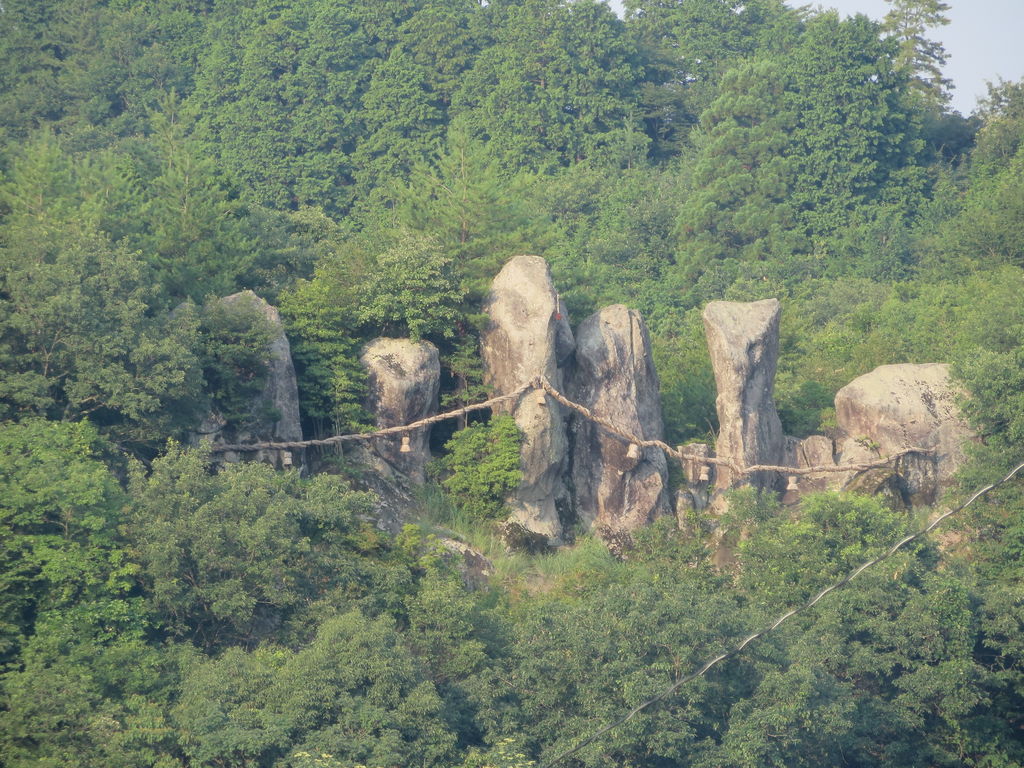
(471, 564)
(896, 407)
(618, 487)
(743, 339)
(274, 413)
(528, 335)
(812, 451)
(403, 378)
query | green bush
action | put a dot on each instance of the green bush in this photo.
(481, 467)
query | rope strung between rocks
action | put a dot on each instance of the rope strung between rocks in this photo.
(736, 650)
(739, 469)
(542, 384)
(298, 444)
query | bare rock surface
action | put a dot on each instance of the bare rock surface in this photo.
(896, 407)
(812, 451)
(403, 377)
(473, 566)
(743, 339)
(615, 378)
(274, 414)
(529, 335)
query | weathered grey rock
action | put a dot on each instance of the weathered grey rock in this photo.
(813, 451)
(699, 475)
(886, 483)
(274, 414)
(403, 378)
(615, 378)
(896, 407)
(473, 566)
(529, 335)
(743, 339)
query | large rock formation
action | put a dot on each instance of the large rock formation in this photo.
(743, 339)
(403, 381)
(615, 378)
(812, 451)
(529, 335)
(274, 413)
(896, 407)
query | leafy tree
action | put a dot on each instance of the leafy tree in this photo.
(480, 218)
(81, 334)
(482, 467)
(412, 291)
(789, 154)
(743, 174)
(554, 87)
(194, 232)
(94, 68)
(59, 512)
(354, 693)
(1002, 116)
(90, 692)
(277, 95)
(233, 342)
(325, 349)
(689, 46)
(227, 557)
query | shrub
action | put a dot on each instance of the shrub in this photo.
(481, 467)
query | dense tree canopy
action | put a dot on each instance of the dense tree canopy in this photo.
(368, 167)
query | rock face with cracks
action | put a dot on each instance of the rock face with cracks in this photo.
(743, 339)
(617, 489)
(275, 412)
(528, 335)
(403, 377)
(896, 407)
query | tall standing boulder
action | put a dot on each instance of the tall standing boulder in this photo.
(403, 378)
(896, 407)
(743, 339)
(528, 335)
(274, 413)
(615, 378)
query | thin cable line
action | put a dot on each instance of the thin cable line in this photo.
(774, 625)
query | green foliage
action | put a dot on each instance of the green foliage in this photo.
(832, 536)
(1002, 115)
(908, 21)
(412, 291)
(82, 333)
(555, 87)
(353, 693)
(233, 341)
(325, 351)
(481, 466)
(475, 214)
(369, 167)
(277, 97)
(787, 153)
(228, 556)
(59, 512)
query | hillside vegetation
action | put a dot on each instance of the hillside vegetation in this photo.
(368, 167)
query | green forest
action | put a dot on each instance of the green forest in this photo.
(368, 167)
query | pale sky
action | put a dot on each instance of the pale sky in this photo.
(984, 41)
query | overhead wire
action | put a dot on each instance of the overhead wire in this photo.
(737, 649)
(541, 384)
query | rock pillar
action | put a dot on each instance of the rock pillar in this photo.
(743, 339)
(403, 378)
(617, 489)
(528, 335)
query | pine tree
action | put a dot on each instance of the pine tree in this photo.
(908, 22)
